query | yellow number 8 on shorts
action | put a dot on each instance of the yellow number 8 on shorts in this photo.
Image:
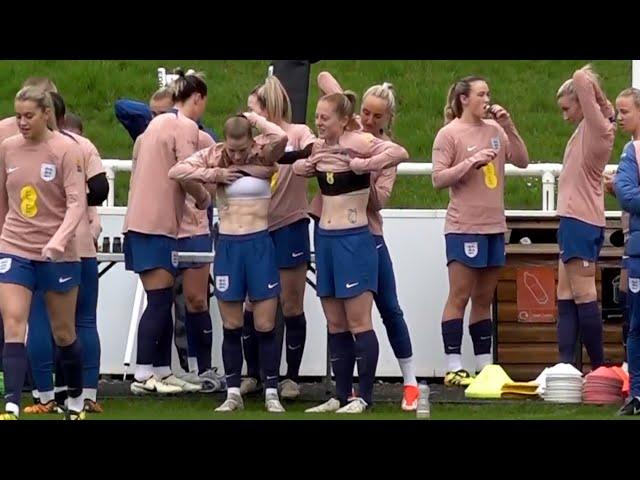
(28, 205)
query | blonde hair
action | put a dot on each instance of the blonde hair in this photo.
(162, 93)
(568, 89)
(40, 82)
(453, 107)
(385, 92)
(42, 99)
(344, 104)
(634, 93)
(273, 98)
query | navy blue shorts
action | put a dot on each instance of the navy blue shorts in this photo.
(36, 275)
(246, 264)
(292, 244)
(578, 239)
(199, 243)
(346, 262)
(476, 250)
(143, 252)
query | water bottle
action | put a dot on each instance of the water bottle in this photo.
(117, 245)
(106, 245)
(424, 408)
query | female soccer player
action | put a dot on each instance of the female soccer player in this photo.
(42, 201)
(245, 256)
(469, 155)
(346, 257)
(581, 212)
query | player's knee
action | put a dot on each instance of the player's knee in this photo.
(583, 293)
(196, 302)
(458, 300)
(63, 335)
(292, 303)
(14, 330)
(482, 300)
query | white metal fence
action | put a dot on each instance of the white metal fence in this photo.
(547, 172)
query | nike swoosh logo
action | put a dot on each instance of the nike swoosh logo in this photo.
(271, 378)
(207, 331)
(334, 359)
(351, 285)
(485, 338)
(294, 348)
(297, 254)
(12, 169)
(273, 285)
(471, 148)
(378, 246)
(232, 375)
(246, 338)
(65, 279)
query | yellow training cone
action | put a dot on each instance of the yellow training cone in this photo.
(520, 389)
(488, 383)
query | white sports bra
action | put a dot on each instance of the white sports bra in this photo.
(249, 188)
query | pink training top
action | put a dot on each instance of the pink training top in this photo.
(380, 194)
(580, 193)
(195, 221)
(205, 166)
(156, 203)
(289, 192)
(42, 197)
(381, 181)
(476, 196)
(90, 222)
(357, 151)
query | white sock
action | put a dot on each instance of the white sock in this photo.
(161, 372)
(60, 389)
(75, 403)
(11, 407)
(46, 397)
(408, 370)
(35, 394)
(234, 390)
(143, 373)
(454, 362)
(193, 364)
(90, 394)
(268, 392)
(482, 361)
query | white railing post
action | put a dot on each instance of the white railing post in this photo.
(548, 192)
(111, 178)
